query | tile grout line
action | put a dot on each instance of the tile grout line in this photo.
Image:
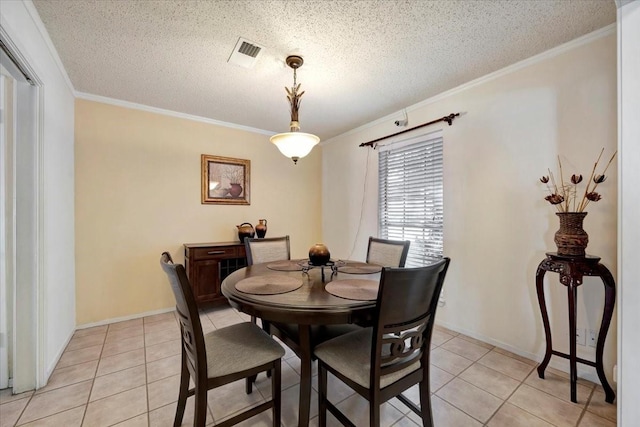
(511, 394)
(556, 397)
(93, 380)
(25, 407)
(505, 400)
(584, 410)
(86, 404)
(96, 376)
(462, 379)
(146, 375)
(454, 376)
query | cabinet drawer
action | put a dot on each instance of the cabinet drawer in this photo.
(213, 252)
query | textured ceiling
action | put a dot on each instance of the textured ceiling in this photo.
(363, 59)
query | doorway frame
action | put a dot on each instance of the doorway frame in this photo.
(29, 371)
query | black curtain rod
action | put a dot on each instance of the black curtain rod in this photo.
(448, 119)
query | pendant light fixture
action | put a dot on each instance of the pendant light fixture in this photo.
(294, 144)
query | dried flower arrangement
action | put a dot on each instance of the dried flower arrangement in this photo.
(564, 196)
(234, 173)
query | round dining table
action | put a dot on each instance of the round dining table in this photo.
(308, 305)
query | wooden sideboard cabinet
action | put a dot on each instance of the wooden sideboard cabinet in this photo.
(207, 264)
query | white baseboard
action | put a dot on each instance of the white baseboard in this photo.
(123, 318)
(585, 372)
(49, 369)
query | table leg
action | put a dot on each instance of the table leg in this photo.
(609, 302)
(545, 319)
(572, 293)
(304, 332)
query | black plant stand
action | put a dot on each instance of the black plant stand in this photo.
(571, 270)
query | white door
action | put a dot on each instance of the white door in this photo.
(6, 267)
(18, 228)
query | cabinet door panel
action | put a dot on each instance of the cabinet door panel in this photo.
(208, 264)
(206, 284)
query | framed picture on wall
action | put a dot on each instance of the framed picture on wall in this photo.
(225, 180)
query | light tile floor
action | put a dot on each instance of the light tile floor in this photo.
(127, 374)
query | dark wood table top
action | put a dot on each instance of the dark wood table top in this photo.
(311, 304)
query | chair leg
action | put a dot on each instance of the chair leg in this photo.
(184, 388)
(425, 403)
(252, 379)
(322, 395)
(276, 393)
(200, 416)
(374, 411)
(267, 328)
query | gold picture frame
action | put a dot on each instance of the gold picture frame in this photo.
(225, 180)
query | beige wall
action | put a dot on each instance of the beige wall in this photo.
(497, 225)
(138, 194)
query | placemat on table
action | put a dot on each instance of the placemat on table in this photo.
(285, 265)
(269, 284)
(357, 289)
(360, 268)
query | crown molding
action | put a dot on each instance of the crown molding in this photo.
(177, 114)
(553, 52)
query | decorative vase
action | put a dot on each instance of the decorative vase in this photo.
(571, 239)
(319, 254)
(261, 228)
(235, 190)
(245, 230)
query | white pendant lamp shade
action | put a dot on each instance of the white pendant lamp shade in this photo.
(295, 145)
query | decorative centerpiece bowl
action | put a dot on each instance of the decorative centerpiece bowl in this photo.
(319, 254)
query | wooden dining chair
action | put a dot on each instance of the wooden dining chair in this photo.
(387, 253)
(382, 361)
(219, 357)
(267, 249)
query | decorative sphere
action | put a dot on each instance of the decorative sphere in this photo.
(319, 254)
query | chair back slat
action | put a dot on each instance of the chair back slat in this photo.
(402, 345)
(406, 306)
(188, 339)
(387, 253)
(188, 317)
(267, 249)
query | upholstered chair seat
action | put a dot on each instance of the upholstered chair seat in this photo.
(240, 347)
(350, 355)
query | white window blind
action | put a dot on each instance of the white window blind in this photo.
(411, 197)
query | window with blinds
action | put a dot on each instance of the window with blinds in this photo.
(411, 197)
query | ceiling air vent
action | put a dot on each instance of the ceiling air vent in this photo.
(245, 53)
